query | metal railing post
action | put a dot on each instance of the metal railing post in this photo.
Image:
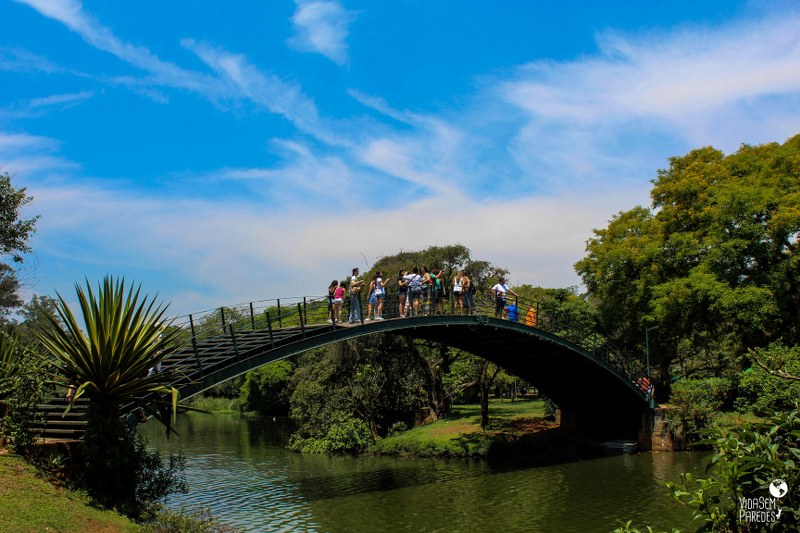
(280, 323)
(302, 321)
(222, 316)
(252, 316)
(269, 327)
(233, 340)
(194, 346)
(305, 310)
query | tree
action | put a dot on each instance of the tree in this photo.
(713, 262)
(107, 356)
(267, 390)
(14, 232)
(14, 235)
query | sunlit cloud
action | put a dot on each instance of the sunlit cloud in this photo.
(321, 26)
(691, 86)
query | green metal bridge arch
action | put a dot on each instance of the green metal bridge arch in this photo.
(595, 387)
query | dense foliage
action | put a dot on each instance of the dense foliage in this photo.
(22, 386)
(713, 262)
(267, 390)
(696, 401)
(744, 464)
(762, 391)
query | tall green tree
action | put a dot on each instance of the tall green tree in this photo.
(713, 262)
(14, 234)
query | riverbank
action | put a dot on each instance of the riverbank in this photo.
(28, 502)
(516, 430)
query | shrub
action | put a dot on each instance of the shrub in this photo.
(183, 521)
(696, 401)
(345, 435)
(397, 428)
(267, 389)
(745, 463)
(759, 391)
(22, 383)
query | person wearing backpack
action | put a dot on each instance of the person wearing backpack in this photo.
(467, 293)
(355, 297)
(414, 292)
(458, 288)
(380, 294)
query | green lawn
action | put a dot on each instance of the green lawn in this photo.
(30, 503)
(462, 436)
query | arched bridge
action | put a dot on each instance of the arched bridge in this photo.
(595, 387)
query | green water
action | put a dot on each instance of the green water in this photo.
(242, 471)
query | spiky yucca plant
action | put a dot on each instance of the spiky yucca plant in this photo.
(9, 356)
(106, 357)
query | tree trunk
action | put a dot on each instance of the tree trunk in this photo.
(484, 405)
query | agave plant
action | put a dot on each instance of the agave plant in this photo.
(107, 358)
(9, 359)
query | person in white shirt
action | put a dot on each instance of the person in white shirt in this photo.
(500, 291)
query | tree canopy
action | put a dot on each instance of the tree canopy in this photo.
(14, 231)
(14, 235)
(713, 262)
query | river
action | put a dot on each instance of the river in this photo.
(241, 470)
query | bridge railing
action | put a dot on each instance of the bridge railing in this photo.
(305, 311)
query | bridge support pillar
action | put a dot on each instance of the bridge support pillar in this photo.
(655, 434)
(566, 419)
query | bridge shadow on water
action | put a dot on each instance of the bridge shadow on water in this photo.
(385, 473)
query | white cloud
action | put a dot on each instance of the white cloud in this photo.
(71, 14)
(322, 27)
(38, 106)
(681, 83)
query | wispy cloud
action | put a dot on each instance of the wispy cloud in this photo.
(20, 60)
(71, 14)
(25, 154)
(39, 106)
(692, 86)
(321, 26)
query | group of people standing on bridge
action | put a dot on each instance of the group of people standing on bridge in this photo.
(421, 291)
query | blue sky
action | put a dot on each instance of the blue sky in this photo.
(228, 152)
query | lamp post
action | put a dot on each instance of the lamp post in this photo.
(647, 357)
(647, 347)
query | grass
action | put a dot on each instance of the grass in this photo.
(728, 420)
(215, 405)
(29, 502)
(461, 435)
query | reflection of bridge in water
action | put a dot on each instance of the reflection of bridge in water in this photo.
(593, 385)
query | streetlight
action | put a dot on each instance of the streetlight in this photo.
(647, 347)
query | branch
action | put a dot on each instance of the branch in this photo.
(771, 372)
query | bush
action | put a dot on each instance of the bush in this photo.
(744, 465)
(759, 391)
(696, 401)
(397, 428)
(183, 521)
(267, 390)
(22, 383)
(345, 435)
(115, 467)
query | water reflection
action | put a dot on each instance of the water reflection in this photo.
(242, 471)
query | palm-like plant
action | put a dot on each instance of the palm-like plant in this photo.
(9, 356)
(108, 357)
